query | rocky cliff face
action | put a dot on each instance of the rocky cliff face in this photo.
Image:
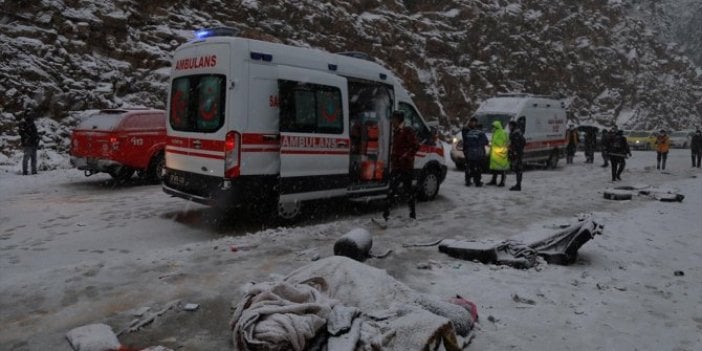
(67, 55)
(678, 21)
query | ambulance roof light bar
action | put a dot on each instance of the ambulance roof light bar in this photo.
(204, 33)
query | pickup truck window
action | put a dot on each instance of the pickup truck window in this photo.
(100, 121)
(197, 103)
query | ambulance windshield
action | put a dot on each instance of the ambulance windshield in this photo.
(485, 120)
(197, 103)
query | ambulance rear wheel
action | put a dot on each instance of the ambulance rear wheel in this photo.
(428, 185)
(552, 161)
(289, 211)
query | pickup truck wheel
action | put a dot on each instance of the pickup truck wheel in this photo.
(428, 185)
(157, 168)
(121, 173)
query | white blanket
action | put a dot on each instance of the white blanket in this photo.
(279, 316)
(288, 314)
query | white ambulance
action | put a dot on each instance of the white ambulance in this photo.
(542, 119)
(253, 124)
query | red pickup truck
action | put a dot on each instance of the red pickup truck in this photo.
(121, 142)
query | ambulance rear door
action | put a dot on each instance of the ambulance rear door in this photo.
(197, 109)
(314, 139)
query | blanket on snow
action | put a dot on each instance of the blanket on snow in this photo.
(339, 304)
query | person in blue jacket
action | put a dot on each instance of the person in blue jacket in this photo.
(474, 143)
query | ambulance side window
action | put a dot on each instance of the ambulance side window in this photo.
(310, 108)
(521, 123)
(413, 120)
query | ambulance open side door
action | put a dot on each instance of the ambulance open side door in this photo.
(314, 136)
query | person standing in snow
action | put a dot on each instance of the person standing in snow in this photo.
(573, 139)
(499, 162)
(590, 145)
(604, 144)
(29, 139)
(618, 151)
(402, 151)
(474, 143)
(696, 148)
(516, 151)
(662, 147)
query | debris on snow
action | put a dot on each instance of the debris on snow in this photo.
(559, 248)
(357, 244)
(137, 324)
(191, 306)
(518, 299)
(93, 337)
(157, 348)
(141, 311)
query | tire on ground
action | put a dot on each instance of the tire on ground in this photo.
(617, 195)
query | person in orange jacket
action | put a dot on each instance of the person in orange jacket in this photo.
(573, 139)
(662, 147)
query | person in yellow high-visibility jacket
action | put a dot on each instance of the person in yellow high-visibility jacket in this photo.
(499, 161)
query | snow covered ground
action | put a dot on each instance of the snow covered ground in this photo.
(76, 250)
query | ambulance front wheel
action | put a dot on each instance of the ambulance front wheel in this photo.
(428, 184)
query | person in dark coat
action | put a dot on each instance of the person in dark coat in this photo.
(29, 138)
(516, 151)
(474, 143)
(590, 145)
(402, 151)
(573, 139)
(696, 148)
(618, 152)
(604, 144)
